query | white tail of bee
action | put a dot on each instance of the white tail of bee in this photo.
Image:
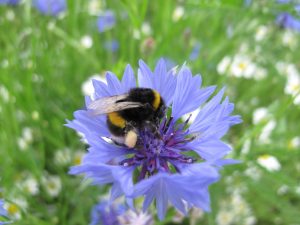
(131, 139)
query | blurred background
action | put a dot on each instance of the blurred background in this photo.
(50, 50)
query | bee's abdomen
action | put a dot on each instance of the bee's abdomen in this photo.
(116, 123)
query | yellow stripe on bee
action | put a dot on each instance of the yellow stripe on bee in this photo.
(156, 100)
(116, 119)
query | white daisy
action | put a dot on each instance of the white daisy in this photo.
(294, 143)
(225, 217)
(146, 29)
(289, 38)
(4, 94)
(223, 65)
(52, 185)
(178, 13)
(266, 132)
(242, 66)
(86, 41)
(62, 157)
(30, 185)
(15, 207)
(260, 115)
(269, 162)
(261, 33)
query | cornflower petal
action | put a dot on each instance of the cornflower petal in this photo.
(113, 85)
(106, 174)
(101, 89)
(2, 210)
(286, 20)
(128, 79)
(106, 21)
(87, 124)
(209, 149)
(178, 188)
(50, 7)
(102, 151)
(214, 114)
(9, 2)
(188, 96)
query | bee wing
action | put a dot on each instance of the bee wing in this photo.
(109, 104)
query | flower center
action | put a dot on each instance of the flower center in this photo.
(12, 209)
(242, 65)
(160, 148)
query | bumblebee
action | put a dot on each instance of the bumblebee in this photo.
(129, 112)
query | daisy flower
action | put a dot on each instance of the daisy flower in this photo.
(177, 164)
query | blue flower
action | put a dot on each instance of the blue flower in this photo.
(111, 46)
(283, 1)
(3, 212)
(195, 51)
(50, 7)
(106, 21)
(106, 213)
(9, 2)
(178, 165)
(286, 20)
(297, 8)
(247, 2)
(170, 64)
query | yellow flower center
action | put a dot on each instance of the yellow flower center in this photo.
(51, 185)
(264, 156)
(12, 209)
(295, 87)
(242, 66)
(77, 160)
(291, 145)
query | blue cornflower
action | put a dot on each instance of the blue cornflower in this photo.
(297, 8)
(170, 63)
(247, 2)
(111, 46)
(106, 213)
(9, 2)
(283, 1)
(50, 7)
(286, 20)
(106, 21)
(3, 212)
(195, 51)
(176, 166)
